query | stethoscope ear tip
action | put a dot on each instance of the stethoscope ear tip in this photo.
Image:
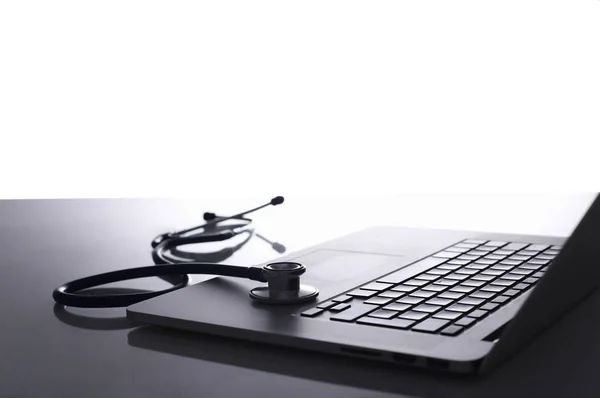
(279, 248)
(209, 216)
(160, 239)
(277, 200)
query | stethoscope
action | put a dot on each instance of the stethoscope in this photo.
(174, 265)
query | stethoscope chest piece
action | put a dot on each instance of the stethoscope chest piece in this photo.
(284, 286)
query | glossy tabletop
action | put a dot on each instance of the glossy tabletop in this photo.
(50, 351)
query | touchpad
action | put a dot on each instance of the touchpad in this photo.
(341, 266)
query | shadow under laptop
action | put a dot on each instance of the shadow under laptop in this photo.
(567, 352)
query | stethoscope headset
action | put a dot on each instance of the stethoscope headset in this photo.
(174, 264)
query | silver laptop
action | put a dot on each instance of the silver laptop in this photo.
(451, 301)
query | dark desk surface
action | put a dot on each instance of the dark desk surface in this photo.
(46, 351)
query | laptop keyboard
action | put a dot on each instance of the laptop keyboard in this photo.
(455, 289)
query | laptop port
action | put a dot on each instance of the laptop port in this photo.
(360, 351)
(404, 358)
(437, 363)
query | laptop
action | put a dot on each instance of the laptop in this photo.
(452, 301)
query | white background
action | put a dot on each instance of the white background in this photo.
(258, 98)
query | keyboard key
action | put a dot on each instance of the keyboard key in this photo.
(538, 261)
(519, 258)
(501, 299)
(466, 321)
(477, 253)
(435, 288)
(511, 292)
(511, 262)
(378, 286)
(552, 252)
(556, 247)
(496, 243)
(522, 271)
(478, 314)
(513, 276)
(445, 254)
(404, 288)
(450, 315)
(414, 315)
(416, 282)
(494, 257)
(449, 266)
(503, 282)
(398, 307)
(484, 277)
(482, 294)
(515, 246)
(446, 282)
(537, 247)
(428, 277)
(458, 262)
(532, 267)
(410, 300)
(399, 276)
(391, 294)
(396, 323)
(326, 305)
(473, 283)
(379, 300)
(383, 314)
(312, 312)
(455, 249)
(474, 241)
(460, 308)
(493, 288)
(439, 301)
(501, 267)
(431, 325)
(471, 301)
(342, 299)
(479, 264)
(521, 286)
(456, 277)
(490, 306)
(492, 272)
(528, 253)
(503, 252)
(545, 257)
(462, 289)
(466, 271)
(422, 293)
(539, 274)
(362, 293)
(531, 280)
(451, 330)
(451, 295)
(437, 271)
(486, 248)
(340, 307)
(467, 257)
(427, 308)
(353, 313)
(485, 262)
